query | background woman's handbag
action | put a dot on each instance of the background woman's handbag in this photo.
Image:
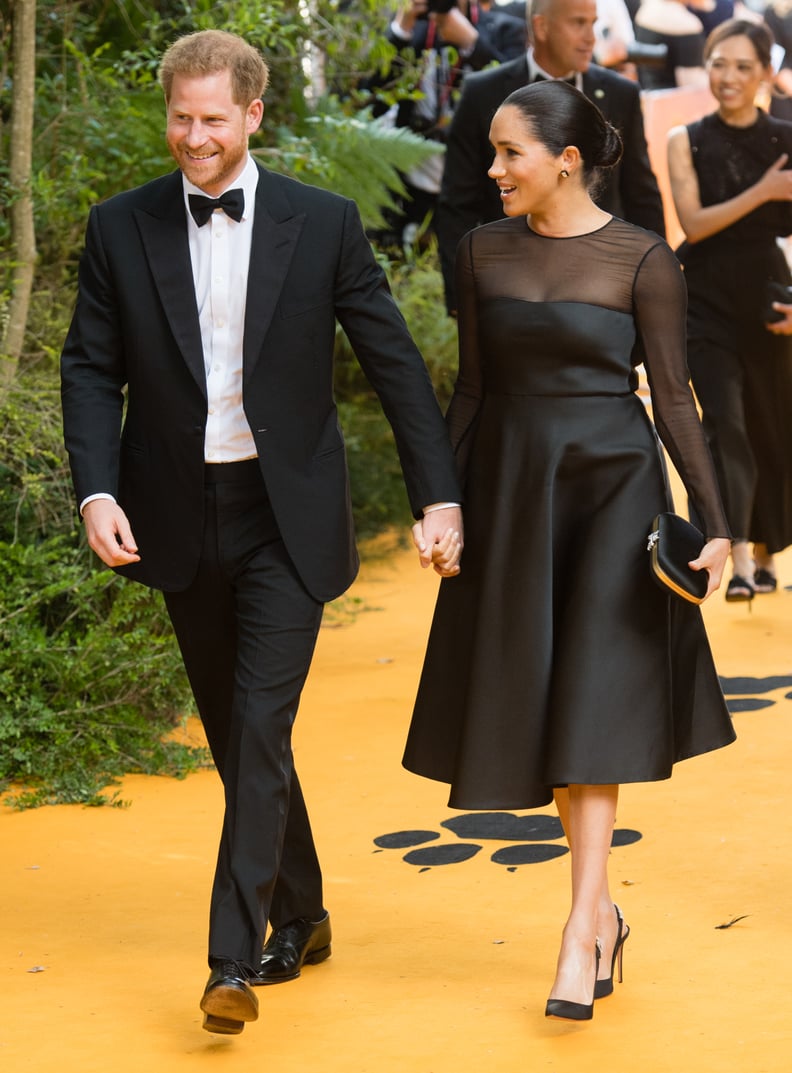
(672, 544)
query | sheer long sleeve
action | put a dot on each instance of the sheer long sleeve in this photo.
(660, 299)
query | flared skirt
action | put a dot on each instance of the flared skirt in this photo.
(554, 657)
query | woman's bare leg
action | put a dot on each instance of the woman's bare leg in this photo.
(588, 814)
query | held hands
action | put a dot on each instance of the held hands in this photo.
(109, 534)
(781, 327)
(438, 538)
(713, 559)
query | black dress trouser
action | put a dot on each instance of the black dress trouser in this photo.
(247, 629)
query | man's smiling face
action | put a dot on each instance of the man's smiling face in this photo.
(207, 130)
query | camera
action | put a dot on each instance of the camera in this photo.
(440, 7)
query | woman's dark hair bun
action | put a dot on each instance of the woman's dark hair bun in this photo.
(611, 148)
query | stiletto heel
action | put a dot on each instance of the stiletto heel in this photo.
(575, 1011)
(602, 988)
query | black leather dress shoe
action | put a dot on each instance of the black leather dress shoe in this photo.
(228, 1000)
(300, 942)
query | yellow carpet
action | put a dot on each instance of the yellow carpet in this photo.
(437, 968)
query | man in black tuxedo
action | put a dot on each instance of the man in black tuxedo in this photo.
(227, 485)
(562, 43)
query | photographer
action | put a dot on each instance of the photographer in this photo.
(447, 39)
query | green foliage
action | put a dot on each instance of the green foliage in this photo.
(90, 678)
(356, 156)
(35, 488)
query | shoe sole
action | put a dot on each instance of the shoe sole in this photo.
(226, 1009)
(314, 958)
(222, 1026)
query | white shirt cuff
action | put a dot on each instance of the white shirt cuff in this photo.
(439, 506)
(96, 495)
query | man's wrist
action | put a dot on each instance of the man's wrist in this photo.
(398, 29)
(440, 506)
(96, 495)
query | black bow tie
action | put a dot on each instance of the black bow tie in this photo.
(571, 81)
(232, 202)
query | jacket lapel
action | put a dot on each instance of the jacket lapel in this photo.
(163, 230)
(276, 229)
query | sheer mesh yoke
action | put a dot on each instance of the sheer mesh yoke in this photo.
(584, 312)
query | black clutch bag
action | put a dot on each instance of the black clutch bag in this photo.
(672, 544)
(775, 292)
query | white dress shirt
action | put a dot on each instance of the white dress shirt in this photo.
(220, 255)
(534, 69)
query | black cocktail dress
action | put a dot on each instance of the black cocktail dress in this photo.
(554, 658)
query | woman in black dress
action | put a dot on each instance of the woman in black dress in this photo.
(556, 668)
(732, 186)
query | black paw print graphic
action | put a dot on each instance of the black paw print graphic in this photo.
(529, 840)
(738, 691)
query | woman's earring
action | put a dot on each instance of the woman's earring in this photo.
(564, 174)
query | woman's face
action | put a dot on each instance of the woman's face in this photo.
(735, 73)
(526, 173)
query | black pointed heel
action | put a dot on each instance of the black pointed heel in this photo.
(575, 1011)
(603, 988)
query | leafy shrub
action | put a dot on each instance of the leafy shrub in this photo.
(90, 677)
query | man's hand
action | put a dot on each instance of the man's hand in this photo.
(456, 30)
(409, 14)
(109, 534)
(439, 540)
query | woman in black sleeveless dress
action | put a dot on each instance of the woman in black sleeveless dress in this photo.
(732, 186)
(556, 668)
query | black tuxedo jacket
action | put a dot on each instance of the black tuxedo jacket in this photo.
(135, 345)
(468, 197)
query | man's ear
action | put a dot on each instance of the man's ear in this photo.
(254, 115)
